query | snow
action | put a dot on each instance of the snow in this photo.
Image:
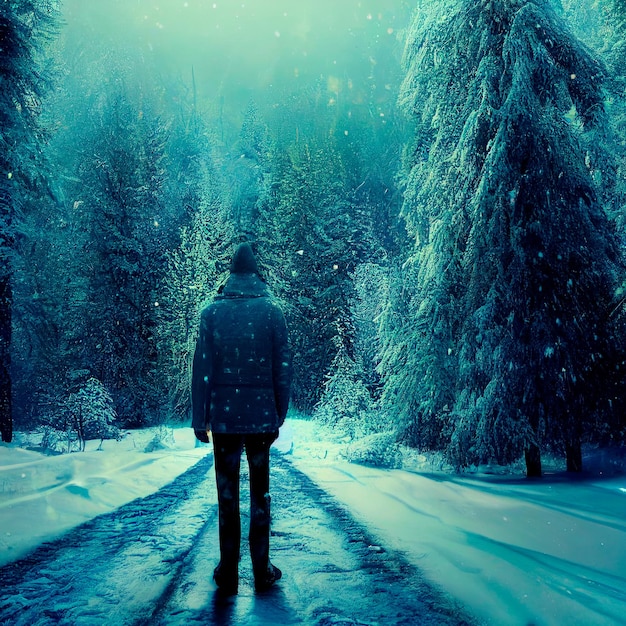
(512, 551)
(43, 496)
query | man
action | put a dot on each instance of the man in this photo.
(240, 392)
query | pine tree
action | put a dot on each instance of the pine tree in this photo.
(515, 259)
(24, 28)
(195, 266)
(345, 405)
(50, 322)
(123, 179)
(193, 177)
(246, 167)
(196, 269)
(311, 236)
(92, 413)
(370, 287)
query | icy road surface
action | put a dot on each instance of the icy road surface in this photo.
(151, 561)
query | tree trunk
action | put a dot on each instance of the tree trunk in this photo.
(533, 461)
(6, 418)
(6, 309)
(574, 455)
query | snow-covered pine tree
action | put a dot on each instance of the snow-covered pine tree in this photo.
(92, 413)
(309, 241)
(246, 168)
(24, 29)
(313, 230)
(614, 40)
(123, 177)
(416, 362)
(50, 322)
(345, 405)
(370, 287)
(348, 401)
(515, 260)
(195, 271)
(602, 26)
(195, 265)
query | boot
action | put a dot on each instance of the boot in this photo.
(268, 578)
(227, 582)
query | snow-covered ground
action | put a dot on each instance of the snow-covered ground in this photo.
(43, 496)
(512, 551)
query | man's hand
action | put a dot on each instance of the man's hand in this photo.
(202, 435)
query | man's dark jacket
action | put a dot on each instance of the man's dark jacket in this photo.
(242, 364)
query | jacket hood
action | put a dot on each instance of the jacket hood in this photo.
(243, 286)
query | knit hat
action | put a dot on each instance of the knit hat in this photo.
(244, 261)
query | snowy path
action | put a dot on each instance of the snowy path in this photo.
(150, 562)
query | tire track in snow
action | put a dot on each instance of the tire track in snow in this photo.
(151, 563)
(334, 571)
(112, 569)
(357, 580)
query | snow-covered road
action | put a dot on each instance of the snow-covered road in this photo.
(357, 544)
(150, 562)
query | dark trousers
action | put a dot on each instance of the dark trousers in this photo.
(227, 450)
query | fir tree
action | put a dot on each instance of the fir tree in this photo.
(247, 167)
(92, 413)
(345, 405)
(515, 259)
(370, 286)
(311, 236)
(196, 269)
(24, 28)
(51, 322)
(123, 177)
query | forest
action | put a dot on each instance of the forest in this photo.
(440, 212)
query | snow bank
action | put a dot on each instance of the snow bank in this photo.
(43, 496)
